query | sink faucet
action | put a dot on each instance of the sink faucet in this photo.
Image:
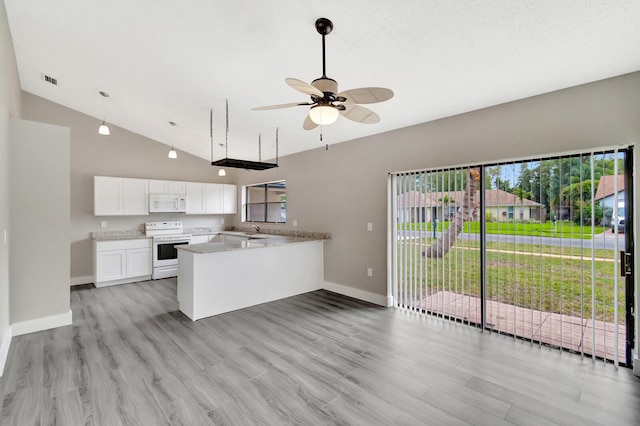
(256, 227)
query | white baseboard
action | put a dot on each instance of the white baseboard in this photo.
(356, 293)
(4, 349)
(88, 279)
(39, 324)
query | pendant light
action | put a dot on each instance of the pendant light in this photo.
(103, 129)
(172, 152)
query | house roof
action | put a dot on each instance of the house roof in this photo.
(415, 199)
(493, 198)
(606, 187)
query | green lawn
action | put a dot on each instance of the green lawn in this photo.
(564, 229)
(549, 284)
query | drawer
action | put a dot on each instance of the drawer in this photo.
(123, 244)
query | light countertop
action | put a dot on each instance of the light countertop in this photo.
(118, 235)
(264, 242)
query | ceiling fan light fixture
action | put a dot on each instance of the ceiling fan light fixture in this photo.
(104, 129)
(323, 114)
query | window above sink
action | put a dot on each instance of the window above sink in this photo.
(266, 202)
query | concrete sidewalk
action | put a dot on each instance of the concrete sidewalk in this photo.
(583, 335)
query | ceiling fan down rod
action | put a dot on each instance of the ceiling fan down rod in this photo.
(324, 27)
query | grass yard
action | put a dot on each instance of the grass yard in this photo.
(547, 283)
(564, 229)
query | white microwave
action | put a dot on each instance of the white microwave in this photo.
(167, 203)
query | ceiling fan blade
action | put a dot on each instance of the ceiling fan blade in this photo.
(360, 114)
(293, 104)
(366, 95)
(308, 124)
(303, 87)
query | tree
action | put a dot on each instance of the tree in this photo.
(467, 212)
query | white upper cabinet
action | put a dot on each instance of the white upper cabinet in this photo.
(167, 187)
(213, 198)
(195, 198)
(107, 196)
(229, 198)
(114, 196)
(136, 196)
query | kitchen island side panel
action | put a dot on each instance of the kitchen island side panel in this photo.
(215, 283)
(185, 293)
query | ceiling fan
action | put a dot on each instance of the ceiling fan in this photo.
(326, 103)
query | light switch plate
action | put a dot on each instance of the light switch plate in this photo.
(295, 222)
(103, 224)
(369, 272)
(369, 226)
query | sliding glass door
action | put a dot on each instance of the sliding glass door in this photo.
(531, 249)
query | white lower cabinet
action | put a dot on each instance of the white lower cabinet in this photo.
(139, 262)
(121, 261)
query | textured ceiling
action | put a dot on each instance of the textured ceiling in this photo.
(170, 60)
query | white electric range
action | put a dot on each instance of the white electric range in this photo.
(166, 236)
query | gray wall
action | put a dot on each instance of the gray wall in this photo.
(39, 248)
(123, 154)
(9, 107)
(342, 189)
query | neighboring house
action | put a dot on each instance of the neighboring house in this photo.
(606, 193)
(500, 205)
(415, 206)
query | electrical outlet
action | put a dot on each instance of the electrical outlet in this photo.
(369, 272)
(295, 222)
(5, 236)
(369, 226)
(222, 221)
(103, 224)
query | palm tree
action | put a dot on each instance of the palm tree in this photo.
(468, 212)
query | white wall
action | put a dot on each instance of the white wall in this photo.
(9, 107)
(39, 211)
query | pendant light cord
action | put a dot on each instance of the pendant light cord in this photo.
(259, 146)
(226, 136)
(277, 144)
(211, 131)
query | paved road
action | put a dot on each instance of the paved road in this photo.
(606, 240)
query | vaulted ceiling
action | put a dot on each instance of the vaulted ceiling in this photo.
(170, 60)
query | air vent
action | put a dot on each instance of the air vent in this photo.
(50, 79)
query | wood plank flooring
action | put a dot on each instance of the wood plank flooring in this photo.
(131, 358)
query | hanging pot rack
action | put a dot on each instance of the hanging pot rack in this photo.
(236, 163)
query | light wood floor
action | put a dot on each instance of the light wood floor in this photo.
(131, 357)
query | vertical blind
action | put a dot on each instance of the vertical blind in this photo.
(529, 249)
